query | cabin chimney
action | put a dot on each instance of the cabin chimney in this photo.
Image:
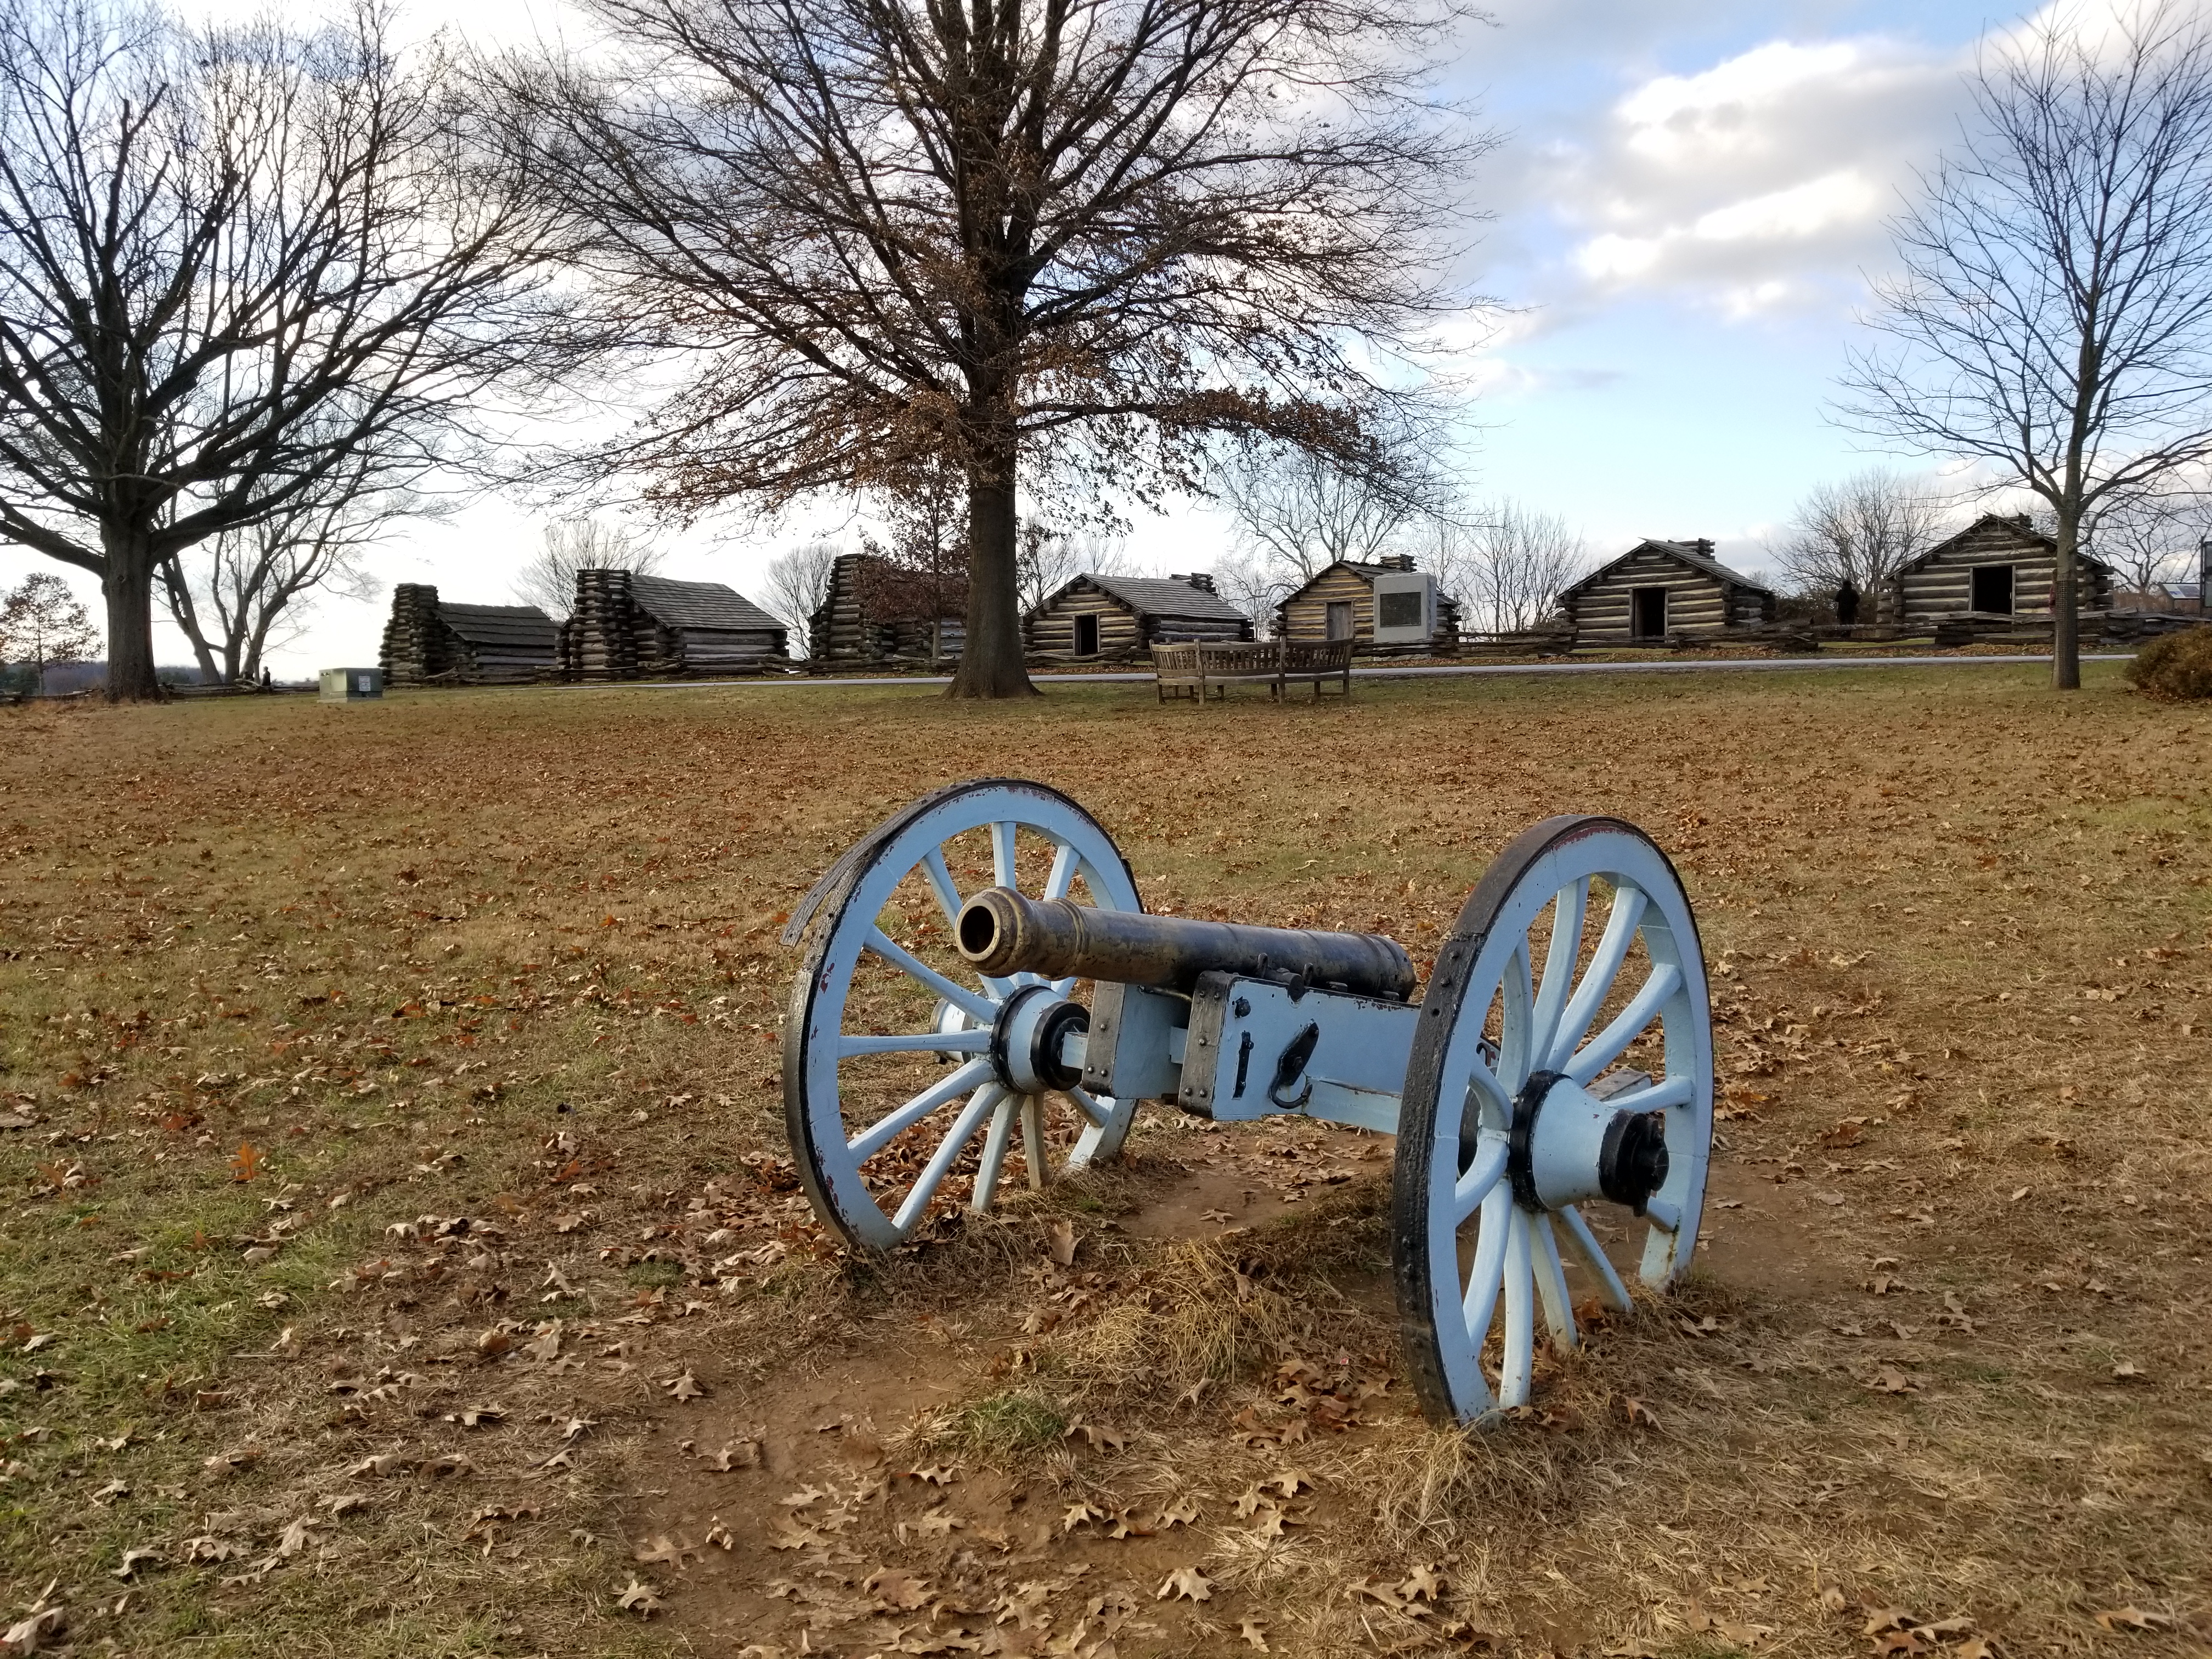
(1200, 580)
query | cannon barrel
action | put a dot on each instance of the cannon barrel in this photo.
(1002, 932)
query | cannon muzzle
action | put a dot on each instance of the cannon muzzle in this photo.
(1001, 934)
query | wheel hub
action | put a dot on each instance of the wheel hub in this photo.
(1566, 1145)
(1029, 1040)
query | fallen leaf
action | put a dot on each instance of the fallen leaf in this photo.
(686, 1387)
(1064, 1242)
(245, 1163)
(1186, 1584)
(1890, 1380)
(2131, 1618)
(1254, 1633)
(1638, 1412)
(1423, 1584)
(134, 1561)
(638, 1598)
(2128, 1371)
(897, 1590)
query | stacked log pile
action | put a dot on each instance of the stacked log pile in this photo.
(599, 641)
(412, 651)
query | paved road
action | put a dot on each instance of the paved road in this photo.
(1750, 665)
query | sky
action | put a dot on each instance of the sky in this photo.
(1683, 217)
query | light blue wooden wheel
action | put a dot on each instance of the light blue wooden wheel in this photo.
(1478, 1252)
(907, 1074)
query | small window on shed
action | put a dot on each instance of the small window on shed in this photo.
(1992, 588)
(1086, 634)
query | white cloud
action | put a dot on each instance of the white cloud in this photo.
(1760, 182)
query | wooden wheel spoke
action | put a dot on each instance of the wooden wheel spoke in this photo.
(1482, 1177)
(1518, 1364)
(976, 1004)
(1584, 1241)
(1621, 922)
(1658, 1096)
(1002, 853)
(1569, 907)
(1088, 1106)
(946, 1089)
(1516, 1055)
(994, 1149)
(942, 884)
(1064, 862)
(1552, 1283)
(933, 1177)
(1033, 1149)
(1485, 1278)
(1643, 1008)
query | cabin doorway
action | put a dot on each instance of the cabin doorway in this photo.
(1086, 634)
(1339, 619)
(1993, 589)
(1648, 618)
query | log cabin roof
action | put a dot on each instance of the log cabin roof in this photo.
(698, 605)
(1692, 554)
(1170, 596)
(1988, 536)
(518, 627)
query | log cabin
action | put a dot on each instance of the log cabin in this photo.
(1385, 608)
(1121, 617)
(627, 626)
(1659, 589)
(2000, 566)
(877, 612)
(427, 639)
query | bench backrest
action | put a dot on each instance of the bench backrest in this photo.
(1315, 656)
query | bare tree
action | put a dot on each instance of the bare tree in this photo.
(42, 622)
(249, 584)
(1050, 558)
(1063, 239)
(2054, 312)
(1298, 511)
(549, 580)
(233, 262)
(1859, 531)
(797, 585)
(2150, 540)
(1507, 564)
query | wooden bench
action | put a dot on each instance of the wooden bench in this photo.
(1192, 671)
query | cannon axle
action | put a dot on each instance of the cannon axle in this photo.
(1002, 933)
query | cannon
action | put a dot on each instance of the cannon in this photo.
(981, 984)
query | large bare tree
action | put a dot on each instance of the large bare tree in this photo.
(1052, 243)
(2053, 313)
(235, 264)
(1860, 531)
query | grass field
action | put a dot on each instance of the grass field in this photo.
(400, 1254)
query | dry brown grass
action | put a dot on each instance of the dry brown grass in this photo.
(1966, 933)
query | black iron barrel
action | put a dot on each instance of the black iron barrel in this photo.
(1002, 932)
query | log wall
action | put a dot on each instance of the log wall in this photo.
(1603, 613)
(1942, 585)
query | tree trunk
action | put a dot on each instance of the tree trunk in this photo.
(991, 656)
(2065, 610)
(186, 616)
(129, 586)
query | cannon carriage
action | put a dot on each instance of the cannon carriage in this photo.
(981, 988)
